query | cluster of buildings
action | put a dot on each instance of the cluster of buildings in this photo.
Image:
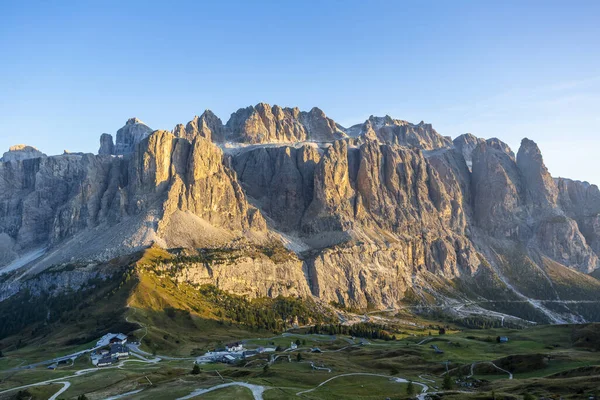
(232, 353)
(113, 348)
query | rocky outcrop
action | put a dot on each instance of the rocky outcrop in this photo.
(244, 271)
(21, 152)
(540, 189)
(394, 131)
(465, 144)
(581, 202)
(265, 124)
(208, 125)
(497, 192)
(131, 134)
(107, 146)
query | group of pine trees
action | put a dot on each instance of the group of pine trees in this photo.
(275, 315)
(363, 330)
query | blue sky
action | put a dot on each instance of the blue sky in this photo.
(509, 69)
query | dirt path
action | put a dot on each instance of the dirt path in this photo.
(123, 395)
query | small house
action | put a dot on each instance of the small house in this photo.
(119, 351)
(118, 338)
(105, 362)
(228, 359)
(249, 353)
(237, 346)
(316, 350)
(293, 346)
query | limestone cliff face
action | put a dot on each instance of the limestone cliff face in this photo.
(466, 143)
(540, 189)
(265, 124)
(404, 212)
(254, 275)
(21, 152)
(280, 180)
(497, 192)
(48, 201)
(518, 200)
(208, 125)
(370, 211)
(399, 132)
(131, 134)
(581, 201)
(107, 146)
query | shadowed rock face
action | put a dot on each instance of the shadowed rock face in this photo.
(465, 144)
(131, 134)
(107, 146)
(541, 191)
(21, 152)
(393, 207)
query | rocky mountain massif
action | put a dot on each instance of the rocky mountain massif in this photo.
(373, 216)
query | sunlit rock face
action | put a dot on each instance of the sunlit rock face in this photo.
(371, 212)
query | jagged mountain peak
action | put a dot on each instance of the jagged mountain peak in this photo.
(275, 124)
(133, 132)
(134, 120)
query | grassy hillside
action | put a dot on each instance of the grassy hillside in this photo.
(172, 317)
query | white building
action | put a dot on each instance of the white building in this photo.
(233, 347)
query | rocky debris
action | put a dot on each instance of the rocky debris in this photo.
(107, 147)
(265, 124)
(21, 152)
(129, 135)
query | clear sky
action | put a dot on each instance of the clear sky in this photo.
(509, 69)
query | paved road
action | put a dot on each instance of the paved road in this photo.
(66, 385)
(77, 374)
(395, 379)
(53, 361)
(510, 375)
(257, 390)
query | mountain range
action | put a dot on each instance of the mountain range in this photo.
(383, 214)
